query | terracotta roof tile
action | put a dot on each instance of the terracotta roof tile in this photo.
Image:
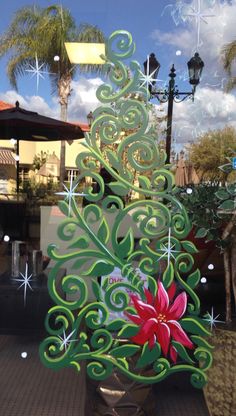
(85, 127)
(5, 106)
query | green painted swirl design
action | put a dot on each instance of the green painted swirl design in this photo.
(146, 236)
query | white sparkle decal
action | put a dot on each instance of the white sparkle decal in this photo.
(66, 340)
(167, 249)
(69, 193)
(25, 282)
(199, 16)
(24, 355)
(37, 71)
(148, 78)
(212, 320)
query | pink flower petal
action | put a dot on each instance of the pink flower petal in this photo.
(162, 300)
(179, 335)
(171, 291)
(149, 296)
(179, 307)
(152, 341)
(146, 332)
(134, 318)
(163, 336)
(173, 353)
(144, 310)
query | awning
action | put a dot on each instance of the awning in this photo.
(6, 157)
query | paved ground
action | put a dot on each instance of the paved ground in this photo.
(27, 388)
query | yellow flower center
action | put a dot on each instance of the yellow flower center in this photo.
(161, 317)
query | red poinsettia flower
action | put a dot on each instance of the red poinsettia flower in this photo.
(158, 319)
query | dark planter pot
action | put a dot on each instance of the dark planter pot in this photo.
(118, 395)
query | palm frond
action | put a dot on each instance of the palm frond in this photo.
(228, 56)
(16, 67)
(90, 34)
(43, 31)
(231, 84)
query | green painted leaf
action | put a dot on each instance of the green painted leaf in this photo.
(181, 350)
(103, 231)
(126, 245)
(144, 182)
(168, 275)
(113, 159)
(99, 268)
(128, 331)
(124, 351)
(96, 290)
(116, 325)
(148, 355)
(189, 247)
(201, 233)
(123, 362)
(81, 242)
(193, 278)
(118, 188)
(222, 194)
(63, 207)
(228, 205)
(78, 263)
(201, 342)
(105, 283)
(193, 326)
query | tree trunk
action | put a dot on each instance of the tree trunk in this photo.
(227, 284)
(229, 265)
(63, 147)
(64, 91)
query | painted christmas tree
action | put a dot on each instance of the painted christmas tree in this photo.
(144, 303)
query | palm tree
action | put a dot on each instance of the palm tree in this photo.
(229, 56)
(41, 32)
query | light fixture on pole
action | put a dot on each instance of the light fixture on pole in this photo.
(90, 118)
(85, 53)
(195, 67)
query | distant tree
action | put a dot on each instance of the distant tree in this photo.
(211, 151)
(229, 57)
(42, 32)
(39, 160)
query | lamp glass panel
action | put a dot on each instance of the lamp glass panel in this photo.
(85, 53)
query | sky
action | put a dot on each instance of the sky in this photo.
(174, 30)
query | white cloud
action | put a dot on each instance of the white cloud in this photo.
(83, 99)
(211, 110)
(31, 103)
(215, 31)
(178, 38)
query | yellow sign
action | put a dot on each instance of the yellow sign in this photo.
(85, 53)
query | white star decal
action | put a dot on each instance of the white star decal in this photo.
(70, 193)
(167, 249)
(148, 78)
(37, 71)
(65, 340)
(199, 16)
(25, 282)
(212, 320)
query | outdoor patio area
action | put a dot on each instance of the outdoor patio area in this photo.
(27, 388)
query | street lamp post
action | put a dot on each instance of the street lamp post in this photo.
(151, 67)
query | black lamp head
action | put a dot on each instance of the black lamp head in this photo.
(151, 66)
(195, 67)
(90, 118)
